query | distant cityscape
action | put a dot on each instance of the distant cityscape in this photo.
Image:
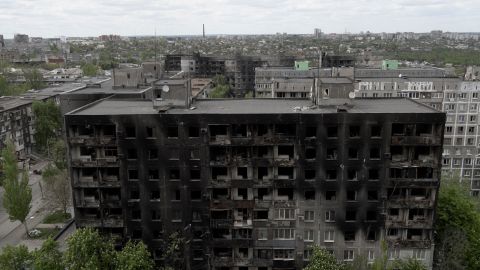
(253, 149)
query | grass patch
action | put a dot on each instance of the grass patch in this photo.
(56, 217)
(45, 233)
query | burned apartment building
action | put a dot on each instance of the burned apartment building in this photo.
(239, 70)
(292, 82)
(252, 184)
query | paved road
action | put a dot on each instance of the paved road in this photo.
(12, 233)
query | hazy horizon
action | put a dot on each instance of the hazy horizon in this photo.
(52, 18)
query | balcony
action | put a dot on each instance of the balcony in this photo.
(220, 140)
(113, 222)
(410, 202)
(221, 223)
(416, 140)
(84, 161)
(77, 140)
(241, 141)
(93, 141)
(87, 161)
(90, 202)
(243, 223)
(88, 222)
(87, 181)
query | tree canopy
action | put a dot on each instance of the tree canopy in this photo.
(48, 122)
(457, 228)
(221, 87)
(15, 258)
(134, 256)
(18, 194)
(87, 250)
(89, 70)
(323, 260)
(48, 257)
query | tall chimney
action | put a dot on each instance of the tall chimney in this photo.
(203, 30)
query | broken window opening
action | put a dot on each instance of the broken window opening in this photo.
(350, 215)
(310, 153)
(285, 193)
(376, 131)
(242, 172)
(310, 195)
(150, 132)
(331, 174)
(311, 132)
(174, 174)
(354, 131)
(172, 131)
(332, 132)
(310, 174)
(330, 195)
(286, 173)
(285, 130)
(193, 132)
(239, 130)
(331, 153)
(219, 173)
(220, 194)
(349, 235)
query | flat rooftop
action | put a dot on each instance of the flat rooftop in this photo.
(11, 102)
(113, 106)
(106, 87)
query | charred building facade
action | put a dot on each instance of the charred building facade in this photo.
(239, 70)
(253, 184)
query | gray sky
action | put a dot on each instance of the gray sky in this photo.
(49, 18)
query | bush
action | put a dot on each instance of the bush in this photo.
(57, 217)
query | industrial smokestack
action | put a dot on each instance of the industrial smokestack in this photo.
(203, 30)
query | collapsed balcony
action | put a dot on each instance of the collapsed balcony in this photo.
(86, 156)
(92, 135)
(242, 217)
(412, 156)
(415, 173)
(87, 198)
(420, 134)
(219, 134)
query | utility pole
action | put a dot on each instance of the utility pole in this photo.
(156, 61)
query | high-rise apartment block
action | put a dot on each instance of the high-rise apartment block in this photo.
(461, 154)
(253, 184)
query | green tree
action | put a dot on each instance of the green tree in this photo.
(59, 154)
(410, 264)
(34, 79)
(48, 122)
(221, 87)
(18, 194)
(457, 228)
(48, 256)
(173, 255)
(15, 258)
(87, 250)
(220, 91)
(3, 85)
(323, 260)
(57, 187)
(89, 70)
(134, 256)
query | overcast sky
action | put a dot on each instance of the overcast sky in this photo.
(50, 18)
